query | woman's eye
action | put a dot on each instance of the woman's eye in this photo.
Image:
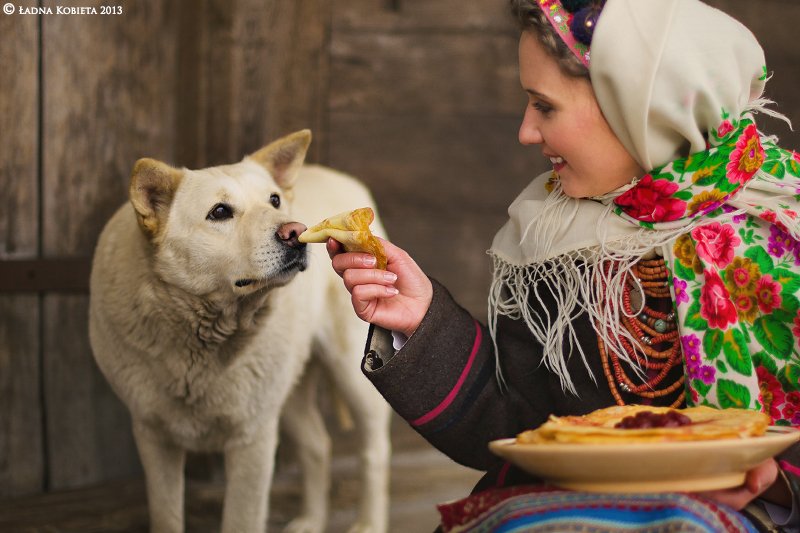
(220, 212)
(542, 108)
(275, 200)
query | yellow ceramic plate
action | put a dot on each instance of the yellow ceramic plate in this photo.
(646, 467)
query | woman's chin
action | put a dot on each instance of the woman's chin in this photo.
(578, 188)
(569, 188)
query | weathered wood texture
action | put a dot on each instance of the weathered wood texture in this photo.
(419, 16)
(107, 100)
(249, 72)
(424, 107)
(19, 167)
(419, 98)
(772, 22)
(21, 455)
(21, 441)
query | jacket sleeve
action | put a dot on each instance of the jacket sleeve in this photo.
(443, 383)
(789, 464)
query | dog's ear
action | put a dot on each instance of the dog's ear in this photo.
(283, 158)
(153, 186)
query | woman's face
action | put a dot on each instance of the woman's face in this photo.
(563, 117)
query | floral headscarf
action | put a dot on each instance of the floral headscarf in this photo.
(679, 83)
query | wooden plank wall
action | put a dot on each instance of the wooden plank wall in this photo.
(425, 106)
(419, 98)
(21, 455)
(108, 82)
(770, 23)
(248, 72)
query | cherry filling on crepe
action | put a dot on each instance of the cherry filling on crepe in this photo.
(649, 419)
(643, 423)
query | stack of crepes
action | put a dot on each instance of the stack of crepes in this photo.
(351, 229)
(598, 427)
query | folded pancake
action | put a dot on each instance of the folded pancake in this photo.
(604, 426)
(350, 228)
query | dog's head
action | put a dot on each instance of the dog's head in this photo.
(226, 229)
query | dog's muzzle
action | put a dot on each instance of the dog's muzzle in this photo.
(294, 250)
(288, 234)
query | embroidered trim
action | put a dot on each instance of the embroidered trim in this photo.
(575, 29)
(436, 411)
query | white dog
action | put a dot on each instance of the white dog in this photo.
(204, 312)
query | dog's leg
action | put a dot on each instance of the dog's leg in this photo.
(303, 424)
(163, 464)
(372, 419)
(248, 473)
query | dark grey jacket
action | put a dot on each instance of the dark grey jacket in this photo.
(442, 381)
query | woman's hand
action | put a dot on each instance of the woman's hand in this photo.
(396, 298)
(759, 481)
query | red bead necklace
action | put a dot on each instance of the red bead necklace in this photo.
(657, 345)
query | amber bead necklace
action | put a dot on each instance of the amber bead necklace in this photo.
(657, 345)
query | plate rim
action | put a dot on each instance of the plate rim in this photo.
(523, 455)
(777, 433)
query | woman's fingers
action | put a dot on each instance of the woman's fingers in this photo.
(333, 247)
(756, 482)
(366, 299)
(373, 291)
(357, 277)
(369, 294)
(342, 260)
(352, 260)
(761, 477)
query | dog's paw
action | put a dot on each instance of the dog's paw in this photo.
(304, 524)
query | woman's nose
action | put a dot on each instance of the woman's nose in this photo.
(529, 132)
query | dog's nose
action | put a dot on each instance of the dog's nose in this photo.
(289, 232)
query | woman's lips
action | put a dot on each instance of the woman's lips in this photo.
(558, 163)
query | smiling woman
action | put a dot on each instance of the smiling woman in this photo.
(564, 119)
(653, 264)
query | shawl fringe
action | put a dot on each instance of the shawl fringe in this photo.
(585, 281)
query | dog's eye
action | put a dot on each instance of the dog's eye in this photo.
(275, 200)
(220, 212)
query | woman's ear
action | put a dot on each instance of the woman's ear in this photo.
(284, 157)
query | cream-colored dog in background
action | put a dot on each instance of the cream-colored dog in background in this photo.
(205, 311)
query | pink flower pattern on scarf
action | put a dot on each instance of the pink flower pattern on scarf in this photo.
(734, 269)
(716, 243)
(748, 156)
(715, 302)
(651, 201)
(724, 128)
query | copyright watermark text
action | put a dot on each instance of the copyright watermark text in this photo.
(10, 8)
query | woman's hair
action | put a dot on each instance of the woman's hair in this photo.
(530, 18)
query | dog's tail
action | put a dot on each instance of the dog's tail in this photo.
(343, 414)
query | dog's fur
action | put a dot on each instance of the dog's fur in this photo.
(203, 323)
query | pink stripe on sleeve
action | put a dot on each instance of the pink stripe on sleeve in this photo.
(789, 468)
(501, 476)
(453, 393)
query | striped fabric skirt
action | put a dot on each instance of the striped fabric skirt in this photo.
(540, 509)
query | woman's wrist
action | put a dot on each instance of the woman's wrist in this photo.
(421, 307)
